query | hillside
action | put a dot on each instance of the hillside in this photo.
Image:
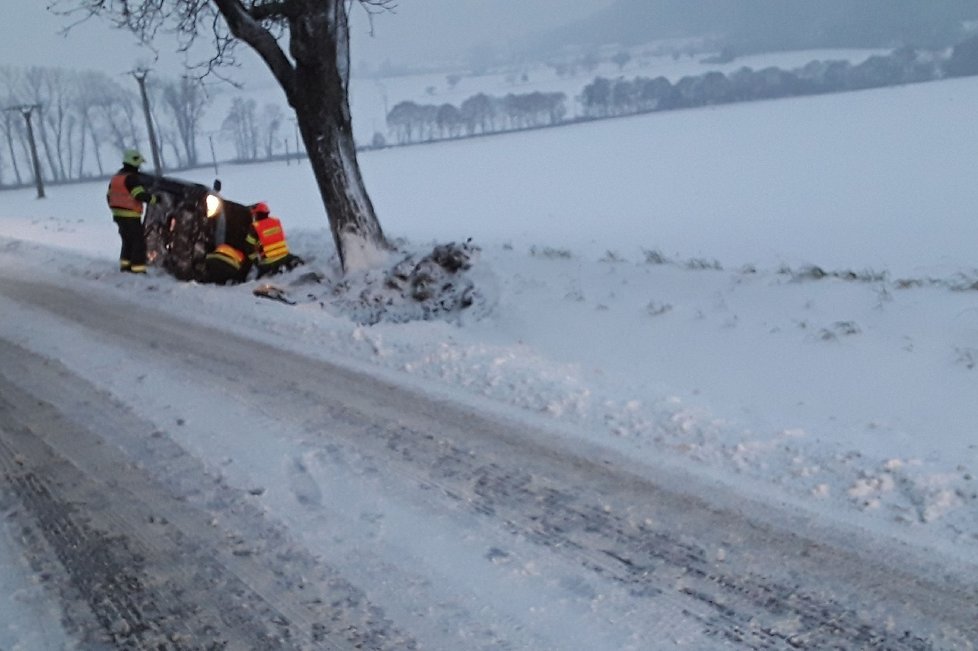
(770, 25)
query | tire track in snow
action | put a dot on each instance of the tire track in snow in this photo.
(640, 549)
(152, 571)
(770, 588)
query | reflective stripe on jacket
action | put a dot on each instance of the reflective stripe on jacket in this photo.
(122, 200)
(227, 254)
(271, 245)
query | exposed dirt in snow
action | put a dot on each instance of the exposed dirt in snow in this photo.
(416, 286)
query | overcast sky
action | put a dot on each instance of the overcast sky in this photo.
(420, 29)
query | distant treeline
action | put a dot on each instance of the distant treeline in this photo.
(82, 121)
(480, 114)
(604, 98)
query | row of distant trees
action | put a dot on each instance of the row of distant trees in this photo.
(606, 97)
(409, 122)
(603, 98)
(82, 121)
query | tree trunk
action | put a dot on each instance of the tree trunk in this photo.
(49, 153)
(95, 148)
(315, 82)
(320, 46)
(10, 146)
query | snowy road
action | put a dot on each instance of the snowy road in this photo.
(372, 516)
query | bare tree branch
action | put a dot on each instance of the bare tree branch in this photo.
(250, 30)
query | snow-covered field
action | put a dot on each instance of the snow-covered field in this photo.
(369, 95)
(372, 97)
(782, 296)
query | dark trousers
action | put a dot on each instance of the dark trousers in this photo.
(287, 263)
(133, 254)
(222, 272)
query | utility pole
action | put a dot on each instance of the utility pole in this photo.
(27, 110)
(140, 75)
(210, 139)
(297, 152)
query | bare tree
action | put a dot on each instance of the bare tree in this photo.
(43, 87)
(118, 115)
(269, 124)
(449, 120)
(167, 136)
(478, 113)
(313, 71)
(241, 127)
(185, 101)
(8, 79)
(402, 119)
(90, 95)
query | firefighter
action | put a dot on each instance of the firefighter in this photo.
(227, 264)
(269, 249)
(126, 196)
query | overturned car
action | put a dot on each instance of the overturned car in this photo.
(187, 223)
(194, 233)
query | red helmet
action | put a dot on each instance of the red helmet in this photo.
(260, 209)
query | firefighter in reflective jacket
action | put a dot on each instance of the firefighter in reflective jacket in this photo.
(269, 250)
(126, 196)
(227, 264)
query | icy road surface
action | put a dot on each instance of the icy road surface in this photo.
(363, 515)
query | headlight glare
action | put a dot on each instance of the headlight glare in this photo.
(213, 204)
